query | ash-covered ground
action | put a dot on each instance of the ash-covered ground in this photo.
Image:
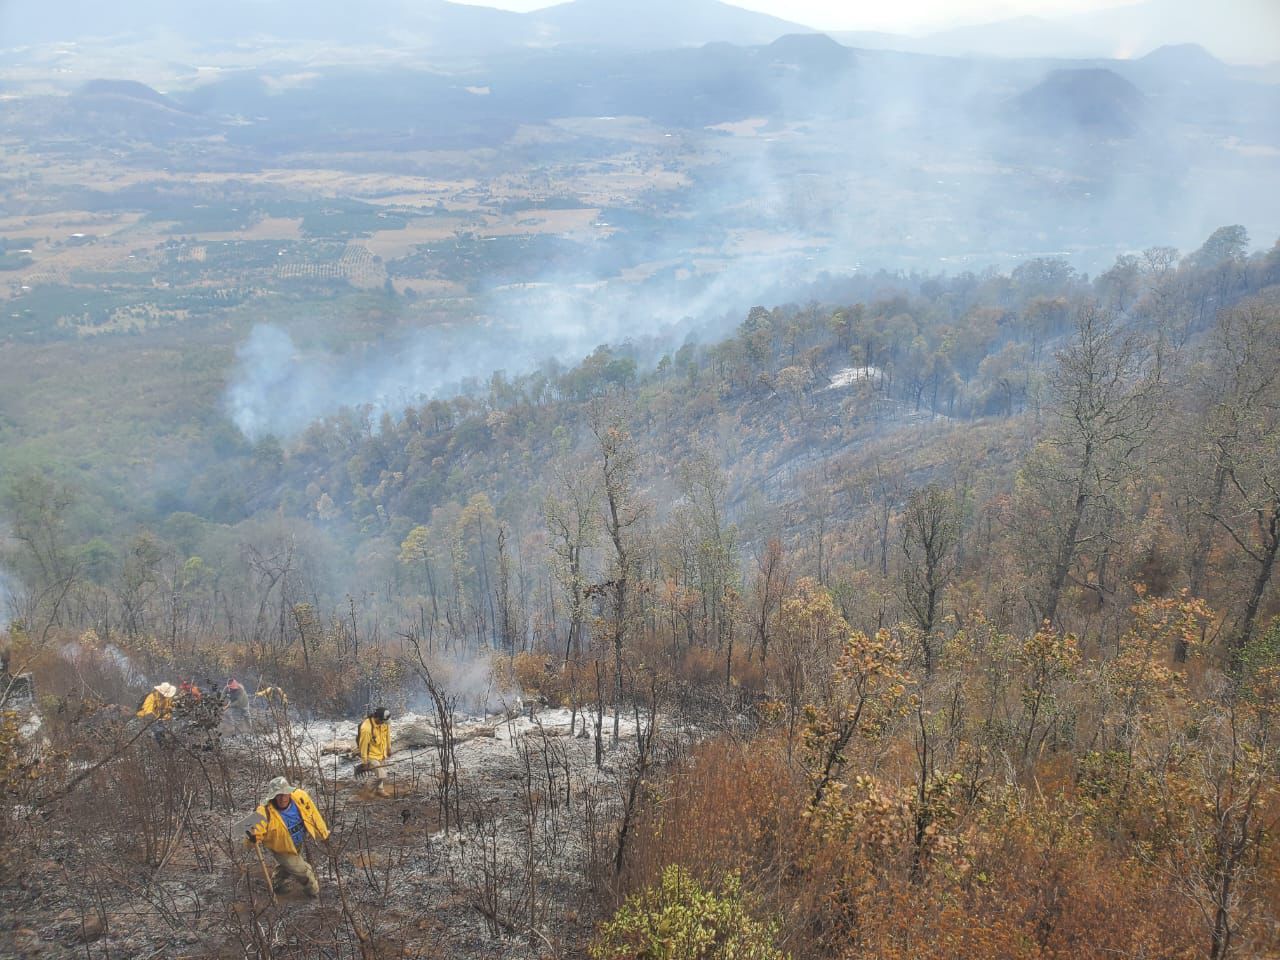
(500, 859)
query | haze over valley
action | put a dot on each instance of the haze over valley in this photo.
(550, 198)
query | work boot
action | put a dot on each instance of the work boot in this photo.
(381, 790)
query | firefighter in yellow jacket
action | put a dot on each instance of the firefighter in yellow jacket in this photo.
(374, 743)
(159, 702)
(287, 817)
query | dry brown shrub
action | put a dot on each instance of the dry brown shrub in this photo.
(1072, 897)
(975, 929)
(536, 675)
(729, 806)
(845, 881)
(698, 666)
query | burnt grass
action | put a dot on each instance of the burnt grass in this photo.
(138, 858)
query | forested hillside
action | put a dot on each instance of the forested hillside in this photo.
(962, 587)
(813, 425)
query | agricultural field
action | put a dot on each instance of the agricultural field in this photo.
(162, 260)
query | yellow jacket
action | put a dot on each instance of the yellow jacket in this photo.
(274, 835)
(156, 704)
(374, 740)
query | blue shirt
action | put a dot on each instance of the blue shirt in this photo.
(292, 818)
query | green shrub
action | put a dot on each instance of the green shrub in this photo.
(680, 919)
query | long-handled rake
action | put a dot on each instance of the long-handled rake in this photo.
(247, 825)
(265, 873)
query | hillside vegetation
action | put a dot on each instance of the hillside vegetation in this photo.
(941, 610)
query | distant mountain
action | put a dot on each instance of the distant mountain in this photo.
(815, 53)
(1181, 65)
(1184, 74)
(809, 75)
(1017, 37)
(125, 108)
(463, 28)
(872, 39)
(1185, 58)
(126, 90)
(437, 25)
(660, 23)
(796, 77)
(1188, 82)
(1092, 101)
(1243, 31)
(1245, 34)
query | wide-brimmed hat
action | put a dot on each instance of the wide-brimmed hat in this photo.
(276, 787)
(166, 689)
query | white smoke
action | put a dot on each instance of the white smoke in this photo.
(893, 161)
(108, 655)
(8, 601)
(471, 682)
(279, 388)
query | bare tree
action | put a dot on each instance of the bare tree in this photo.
(773, 579)
(1244, 424)
(510, 625)
(573, 522)
(1105, 400)
(705, 489)
(43, 559)
(877, 491)
(622, 512)
(930, 531)
(449, 794)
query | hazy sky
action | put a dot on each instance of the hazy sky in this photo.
(900, 15)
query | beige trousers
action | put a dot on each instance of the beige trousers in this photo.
(379, 776)
(291, 868)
